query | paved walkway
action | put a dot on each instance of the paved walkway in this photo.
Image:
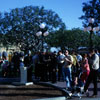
(63, 85)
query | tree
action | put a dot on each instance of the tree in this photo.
(91, 9)
(71, 39)
(21, 24)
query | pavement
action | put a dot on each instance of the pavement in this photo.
(62, 86)
(58, 85)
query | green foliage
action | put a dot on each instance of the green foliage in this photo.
(71, 39)
(20, 26)
(91, 9)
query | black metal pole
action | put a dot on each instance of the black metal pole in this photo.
(42, 38)
(42, 41)
(91, 41)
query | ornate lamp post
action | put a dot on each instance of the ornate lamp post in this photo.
(42, 32)
(91, 29)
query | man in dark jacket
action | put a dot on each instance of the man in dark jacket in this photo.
(28, 64)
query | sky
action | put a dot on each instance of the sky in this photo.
(68, 10)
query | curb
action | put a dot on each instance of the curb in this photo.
(64, 92)
(55, 98)
(8, 80)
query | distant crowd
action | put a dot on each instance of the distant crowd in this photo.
(72, 67)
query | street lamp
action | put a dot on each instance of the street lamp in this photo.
(91, 29)
(42, 32)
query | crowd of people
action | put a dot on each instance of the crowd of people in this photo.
(10, 64)
(78, 70)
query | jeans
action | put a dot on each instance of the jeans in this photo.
(67, 76)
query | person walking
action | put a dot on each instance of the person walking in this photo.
(68, 60)
(85, 68)
(94, 66)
